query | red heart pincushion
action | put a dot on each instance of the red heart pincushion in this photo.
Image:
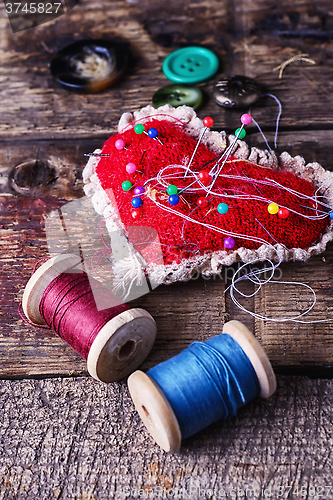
(233, 221)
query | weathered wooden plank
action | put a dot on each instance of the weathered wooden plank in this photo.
(291, 346)
(249, 37)
(307, 347)
(40, 108)
(79, 439)
(304, 344)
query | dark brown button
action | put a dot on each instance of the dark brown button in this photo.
(30, 175)
(236, 92)
(90, 65)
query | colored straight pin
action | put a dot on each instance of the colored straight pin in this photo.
(240, 134)
(208, 122)
(246, 119)
(317, 210)
(225, 155)
(228, 153)
(184, 189)
(96, 154)
(120, 144)
(196, 180)
(153, 134)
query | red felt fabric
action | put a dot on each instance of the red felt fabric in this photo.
(181, 240)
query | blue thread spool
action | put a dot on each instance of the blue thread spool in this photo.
(176, 399)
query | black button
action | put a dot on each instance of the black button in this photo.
(90, 65)
(236, 92)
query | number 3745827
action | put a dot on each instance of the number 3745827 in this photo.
(32, 8)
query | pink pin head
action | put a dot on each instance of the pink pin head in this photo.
(120, 144)
(130, 168)
(246, 119)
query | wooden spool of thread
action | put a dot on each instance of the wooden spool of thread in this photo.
(236, 363)
(114, 340)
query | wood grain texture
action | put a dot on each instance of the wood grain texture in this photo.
(249, 38)
(80, 439)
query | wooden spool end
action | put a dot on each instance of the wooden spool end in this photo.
(259, 360)
(154, 408)
(38, 282)
(121, 345)
(155, 411)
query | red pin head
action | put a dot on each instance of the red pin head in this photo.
(208, 121)
(204, 177)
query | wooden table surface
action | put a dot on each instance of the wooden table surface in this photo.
(48, 130)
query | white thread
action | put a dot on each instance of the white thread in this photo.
(277, 121)
(229, 150)
(161, 179)
(256, 274)
(195, 150)
(263, 135)
(253, 276)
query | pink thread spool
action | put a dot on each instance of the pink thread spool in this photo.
(114, 344)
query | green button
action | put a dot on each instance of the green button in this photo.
(177, 94)
(190, 65)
